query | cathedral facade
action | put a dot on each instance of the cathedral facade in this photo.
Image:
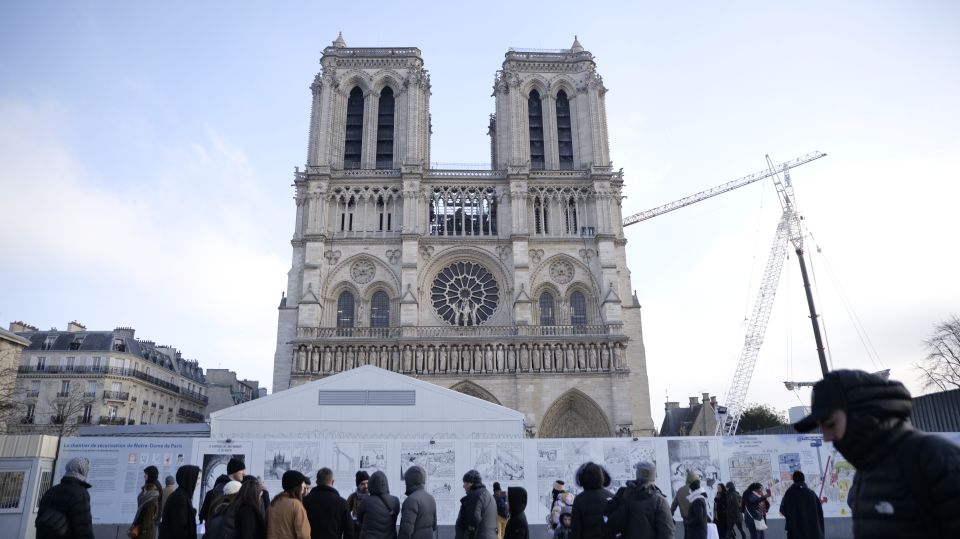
(509, 284)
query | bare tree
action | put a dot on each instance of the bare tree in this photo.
(11, 408)
(65, 411)
(941, 368)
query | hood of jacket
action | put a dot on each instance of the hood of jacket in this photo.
(378, 484)
(68, 479)
(147, 494)
(699, 493)
(877, 410)
(516, 500)
(692, 476)
(415, 477)
(592, 476)
(187, 477)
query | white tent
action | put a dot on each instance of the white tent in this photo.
(367, 402)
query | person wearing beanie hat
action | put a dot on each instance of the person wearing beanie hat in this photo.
(64, 510)
(681, 496)
(906, 481)
(639, 509)
(236, 469)
(478, 510)
(589, 505)
(287, 518)
(362, 479)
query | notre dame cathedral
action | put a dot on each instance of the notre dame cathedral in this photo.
(509, 284)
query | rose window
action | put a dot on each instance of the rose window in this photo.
(465, 294)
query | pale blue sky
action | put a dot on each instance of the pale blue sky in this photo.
(146, 154)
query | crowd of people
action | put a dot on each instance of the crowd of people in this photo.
(907, 484)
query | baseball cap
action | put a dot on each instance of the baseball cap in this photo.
(828, 397)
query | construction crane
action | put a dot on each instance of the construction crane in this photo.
(788, 232)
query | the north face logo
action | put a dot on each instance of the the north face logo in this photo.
(884, 508)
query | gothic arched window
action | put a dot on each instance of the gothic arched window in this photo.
(564, 134)
(385, 129)
(345, 304)
(380, 310)
(547, 317)
(353, 139)
(578, 309)
(541, 216)
(535, 119)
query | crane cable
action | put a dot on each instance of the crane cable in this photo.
(851, 312)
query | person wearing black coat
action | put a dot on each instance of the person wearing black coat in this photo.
(802, 510)
(328, 513)
(70, 498)
(379, 511)
(906, 480)
(697, 516)
(477, 518)
(179, 516)
(589, 505)
(418, 515)
(517, 524)
(640, 510)
(207, 504)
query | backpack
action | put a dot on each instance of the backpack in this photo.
(223, 524)
(51, 521)
(502, 509)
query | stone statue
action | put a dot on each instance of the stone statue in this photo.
(605, 357)
(488, 359)
(407, 359)
(325, 360)
(499, 361)
(524, 359)
(442, 359)
(418, 359)
(593, 357)
(570, 359)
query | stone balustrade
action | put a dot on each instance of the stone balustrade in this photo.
(537, 356)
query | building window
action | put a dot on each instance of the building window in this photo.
(463, 211)
(346, 216)
(64, 388)
(380, 310)
(97, 361)
(41, 363)
(87, 413)
(11, 490)
(465, 294)
(35, 388)
(345, 305)
(578, 309)
(112, 411)
(118, 345)
(564, 134)
(71, 364)
(535, 119)
(385, 129)
(541, 216)
(353, 139)
(48, 342)
(91, 388)
(547, 317)
(570, 216)
(31, 409)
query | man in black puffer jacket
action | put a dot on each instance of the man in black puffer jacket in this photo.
(589, 505)
(640, 510)
(907, 482)
(418, 516)
(71, 500)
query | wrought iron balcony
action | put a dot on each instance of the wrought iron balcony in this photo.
(196, 417)
(116, 395)
(112, 421)
(63, 394)
(26, 420)
(33, 394)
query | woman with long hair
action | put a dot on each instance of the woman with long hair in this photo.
(179, 515)
(251, 520)
(148, 513)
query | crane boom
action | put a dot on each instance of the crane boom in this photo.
(772, 170)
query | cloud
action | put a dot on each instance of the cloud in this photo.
(186, 245)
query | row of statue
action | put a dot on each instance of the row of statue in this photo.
(457, 358)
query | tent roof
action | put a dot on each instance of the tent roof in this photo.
(428, 405)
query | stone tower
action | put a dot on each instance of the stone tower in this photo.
(509, 284)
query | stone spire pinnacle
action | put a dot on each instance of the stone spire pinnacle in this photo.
(576, 47)
(339, 42)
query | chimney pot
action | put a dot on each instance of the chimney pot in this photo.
(694, 401)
